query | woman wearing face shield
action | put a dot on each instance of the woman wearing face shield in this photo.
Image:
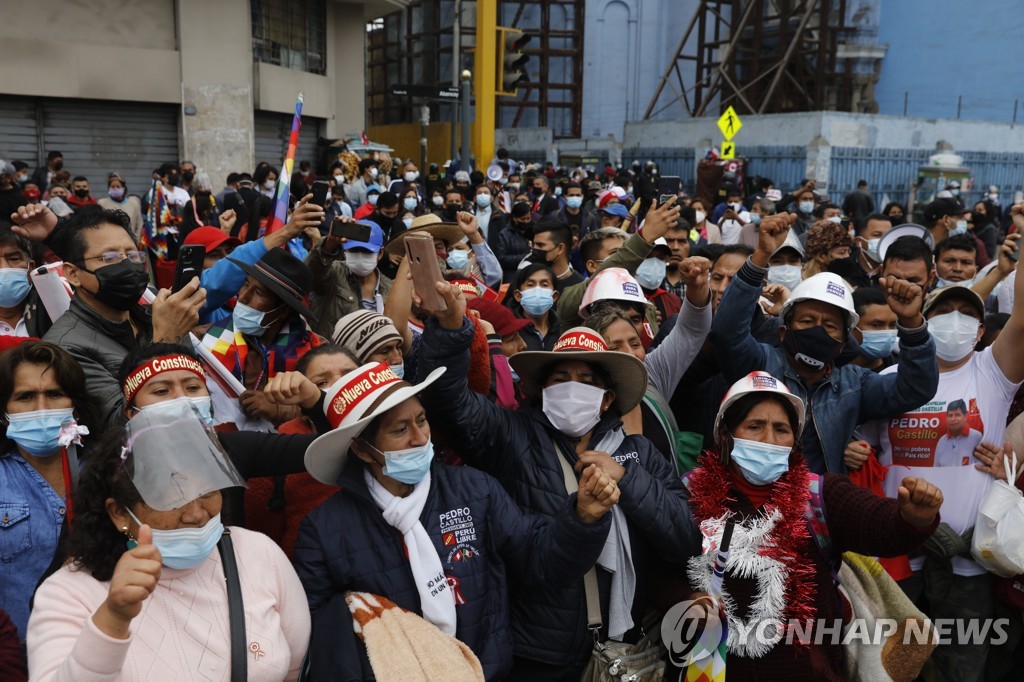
(153, 376)
(778, 566)
(440, 541)
(577, 394)
(143, 594)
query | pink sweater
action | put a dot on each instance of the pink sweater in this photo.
(182, 633)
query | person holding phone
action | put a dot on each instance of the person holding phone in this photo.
(346, 274)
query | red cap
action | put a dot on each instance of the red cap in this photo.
(211, 238)
(500, 317)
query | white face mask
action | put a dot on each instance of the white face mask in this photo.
(339, 180)
(699, 216)
(269, 184)
(438, 201)
(410, 176)
(373, 199)
(571, 407)
(374, 172)
(806, 206)
(836, 219)
(360, 262)
(955, 335)
(787, 275)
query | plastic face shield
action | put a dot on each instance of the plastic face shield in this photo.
(173, 457)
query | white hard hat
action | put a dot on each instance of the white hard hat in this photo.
(613, 284)
(759, 382)
(826, 287)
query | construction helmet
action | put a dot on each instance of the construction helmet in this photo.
(759, 382)
(826, 287)
(613, 284)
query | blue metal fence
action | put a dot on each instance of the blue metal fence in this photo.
(888, 171)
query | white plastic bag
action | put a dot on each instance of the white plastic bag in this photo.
(998, 543)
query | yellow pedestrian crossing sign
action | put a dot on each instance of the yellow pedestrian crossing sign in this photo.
(729, 123)
(728, 150)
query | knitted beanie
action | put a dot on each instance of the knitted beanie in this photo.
(364, 332)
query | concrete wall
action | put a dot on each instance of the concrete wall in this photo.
(627, 45)
(939, 49)
(194, 53)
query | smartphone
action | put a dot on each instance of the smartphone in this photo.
(668, 186)
(189, 265)
(356, 232)
(426, 272)
(320, 190)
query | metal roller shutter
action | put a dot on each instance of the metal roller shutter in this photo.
(18, 139)
(97, 137)
(271, 131)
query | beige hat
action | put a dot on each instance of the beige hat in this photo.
(449, 233)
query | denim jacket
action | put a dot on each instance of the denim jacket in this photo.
(848, 396)
(31, 514)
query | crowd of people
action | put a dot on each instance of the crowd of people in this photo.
(297, 459)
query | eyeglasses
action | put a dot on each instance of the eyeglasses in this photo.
(111, 257)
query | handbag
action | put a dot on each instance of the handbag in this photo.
(997, 544)
(612, 661)
(236, 611)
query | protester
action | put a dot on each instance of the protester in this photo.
(47, 408)
(969, 409)
(576, 395)
(758, 478)
(346, 277)
(440, 541)
(267, 333)
(80, 196)
(22, 314)
(105, 320)
(119, 199)
(876, 332)
(826, 242)
(11, 195)
(552, 246)
(148, 520)
(532, 296)
(816, 321)
(956, 261)
(514, 241)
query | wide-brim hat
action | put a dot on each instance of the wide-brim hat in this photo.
(354, 401)
(581, 343)
(449, 233)
(289, 278)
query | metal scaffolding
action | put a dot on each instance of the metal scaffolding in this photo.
(760, 56)
(414, 45)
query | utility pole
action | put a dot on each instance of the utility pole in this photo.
(464, 103)
(486, 78)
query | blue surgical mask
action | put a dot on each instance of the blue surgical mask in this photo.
(755, 218)
(878, 343)
(458, 259)
(36, 432)
(483, 200)
(806, 206)
(651, 273)
(537, 301)
(202, 403)
(183, 548)
(558, 191)
(399, 370)
(410, 203)
(407, 466)
(760, 463)
(249, 320)
(14, 286)
(574, 202)
(961, 228)
(872, 249)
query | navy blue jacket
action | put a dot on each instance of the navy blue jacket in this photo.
(481, 537)
(550, 625)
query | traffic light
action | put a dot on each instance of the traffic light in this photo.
(512, 61)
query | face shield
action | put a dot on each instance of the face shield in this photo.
(173, 457)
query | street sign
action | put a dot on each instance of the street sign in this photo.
(728, 150)
(426, 92)
(729, 124)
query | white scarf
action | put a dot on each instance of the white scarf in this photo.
(403, 513)
(617, 557)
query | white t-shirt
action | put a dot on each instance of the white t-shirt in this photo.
(19, 329)
(175, 196)
(919, 443)
(731, 229)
